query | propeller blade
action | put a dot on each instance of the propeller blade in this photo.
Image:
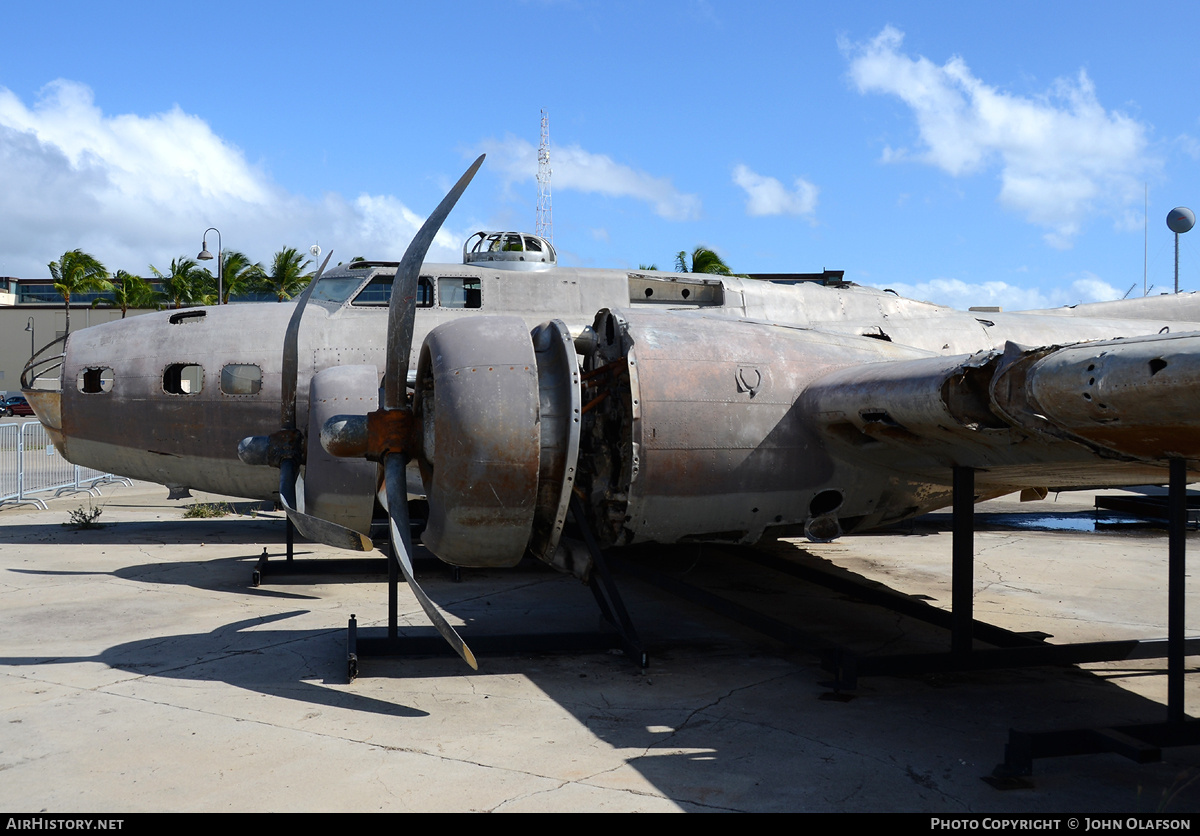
(402, 309)
(397, 504)
(291, 339)
(324, 531)
(287, 399)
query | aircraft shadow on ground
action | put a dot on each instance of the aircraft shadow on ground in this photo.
(233, 529)
(232, 654)
(723, 719)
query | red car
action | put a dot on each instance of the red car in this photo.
(16, 405)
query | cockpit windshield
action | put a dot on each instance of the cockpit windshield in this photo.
(336, 288)
(378, 293)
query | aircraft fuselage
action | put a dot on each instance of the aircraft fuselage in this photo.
(168, 396)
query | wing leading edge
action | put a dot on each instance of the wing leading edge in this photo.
(1103, 412)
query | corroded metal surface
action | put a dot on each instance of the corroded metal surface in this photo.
(477, 400)
(736, 410)
(335, 487)
(559, 416)
(1135, 398)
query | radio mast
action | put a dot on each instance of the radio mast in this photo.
(545, 215)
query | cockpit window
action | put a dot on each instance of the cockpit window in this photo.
(378, 293)
(456, 292)
(335, 288)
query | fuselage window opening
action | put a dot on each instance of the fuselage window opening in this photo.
(241, 379)
(459, 292)
(378, 293)
(95, 381)
(183, 379)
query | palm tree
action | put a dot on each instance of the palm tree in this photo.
(704, 260)
(238, 275)
(286, 277)
(129, 291)
(184, 284)
(78, 272)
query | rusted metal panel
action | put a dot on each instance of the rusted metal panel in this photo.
(1136, 397)
(477, 400)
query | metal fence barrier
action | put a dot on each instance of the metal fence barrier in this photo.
(29, 464)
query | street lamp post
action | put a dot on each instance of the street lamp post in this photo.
(1179, 220)
(205, 255)
(29, 328)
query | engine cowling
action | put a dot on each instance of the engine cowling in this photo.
(341, 490)
(499, 427)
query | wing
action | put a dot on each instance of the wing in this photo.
(1093, 413)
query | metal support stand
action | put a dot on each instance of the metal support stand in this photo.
(316, 566)
(1011, 650)
(612, 607)
(261, 567)
(1008, 649)
(962, 567)
(1142, 743)
(427, 642)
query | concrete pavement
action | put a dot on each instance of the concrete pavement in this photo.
(140, 671)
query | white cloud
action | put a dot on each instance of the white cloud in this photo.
(956, 293)
(580, 170)
(135, 190)
(767, 196)
(1061, 155)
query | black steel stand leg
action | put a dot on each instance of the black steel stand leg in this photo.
(607, 597)
(393, 629)
(291, 537)
(1143, 742)
(962, 565)
(1176, 582)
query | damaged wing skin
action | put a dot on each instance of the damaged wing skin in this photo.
(1094, 413)
(1133, 399)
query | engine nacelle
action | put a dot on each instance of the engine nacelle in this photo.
(499, 434)
(341, 490)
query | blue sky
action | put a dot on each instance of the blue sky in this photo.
(970, 154)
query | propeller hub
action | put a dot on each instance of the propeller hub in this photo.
(391, 431)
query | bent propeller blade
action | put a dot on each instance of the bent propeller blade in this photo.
(326, 532)
(398, 523)
(402, 310)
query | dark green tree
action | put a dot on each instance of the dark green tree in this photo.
(78, 272)
(184, 284)
(129, 291)
(286, 276)
(238, 275)
(704, 260)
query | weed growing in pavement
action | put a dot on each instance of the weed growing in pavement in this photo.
(83, 518)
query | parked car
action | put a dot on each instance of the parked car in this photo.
(16, 405)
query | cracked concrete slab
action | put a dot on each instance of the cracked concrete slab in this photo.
(140, 670)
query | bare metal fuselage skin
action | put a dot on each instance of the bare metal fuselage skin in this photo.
(721, 416)
(138, 429)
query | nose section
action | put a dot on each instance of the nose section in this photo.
(47, 405)
(41, 384)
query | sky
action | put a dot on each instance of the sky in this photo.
(1020, 154)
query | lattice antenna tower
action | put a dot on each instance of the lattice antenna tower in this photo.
(545, 215)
